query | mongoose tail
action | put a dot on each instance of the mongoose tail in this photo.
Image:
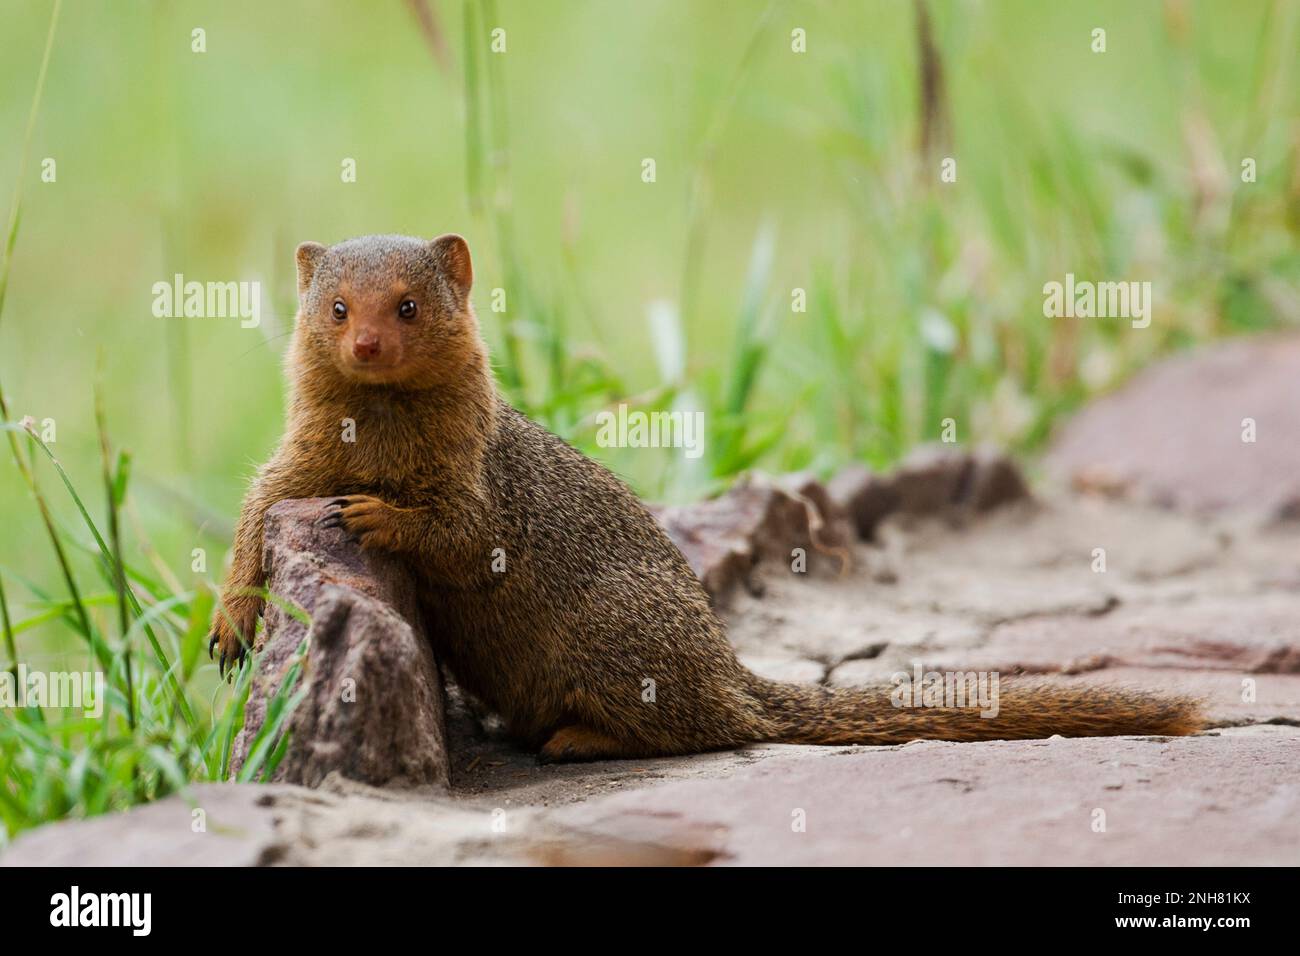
(1022, 709)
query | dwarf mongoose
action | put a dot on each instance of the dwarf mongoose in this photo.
(594, 600)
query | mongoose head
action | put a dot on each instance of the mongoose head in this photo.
(386, 310)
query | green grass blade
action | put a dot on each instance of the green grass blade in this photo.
(182, 703)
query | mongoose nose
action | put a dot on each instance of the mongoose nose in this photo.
(366, 346)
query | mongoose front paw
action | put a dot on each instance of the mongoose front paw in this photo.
(232, 632)
(364, 518)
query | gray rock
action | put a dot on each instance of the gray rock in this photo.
(800, 670)
(866, 497)
(342, 824)
(724, 538)
(1174, 434)
(832, 528)
(1191, 800)
(995, 480)
(1260, 636)
(227, 825)
(372, 704)
(932, 478)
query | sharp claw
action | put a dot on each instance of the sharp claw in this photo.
(221, 666)
(331, 516)
(211, 644)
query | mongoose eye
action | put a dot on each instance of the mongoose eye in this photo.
(340, 310)
(407, 309)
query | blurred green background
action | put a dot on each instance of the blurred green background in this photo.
(776, 170)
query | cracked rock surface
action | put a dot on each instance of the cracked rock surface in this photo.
(1211, 608)
(960, 572)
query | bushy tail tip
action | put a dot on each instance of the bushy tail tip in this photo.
(964, 710)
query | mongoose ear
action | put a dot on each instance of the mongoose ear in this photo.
(451, 252)
(309, 256)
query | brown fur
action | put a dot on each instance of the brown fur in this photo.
(595, 602)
